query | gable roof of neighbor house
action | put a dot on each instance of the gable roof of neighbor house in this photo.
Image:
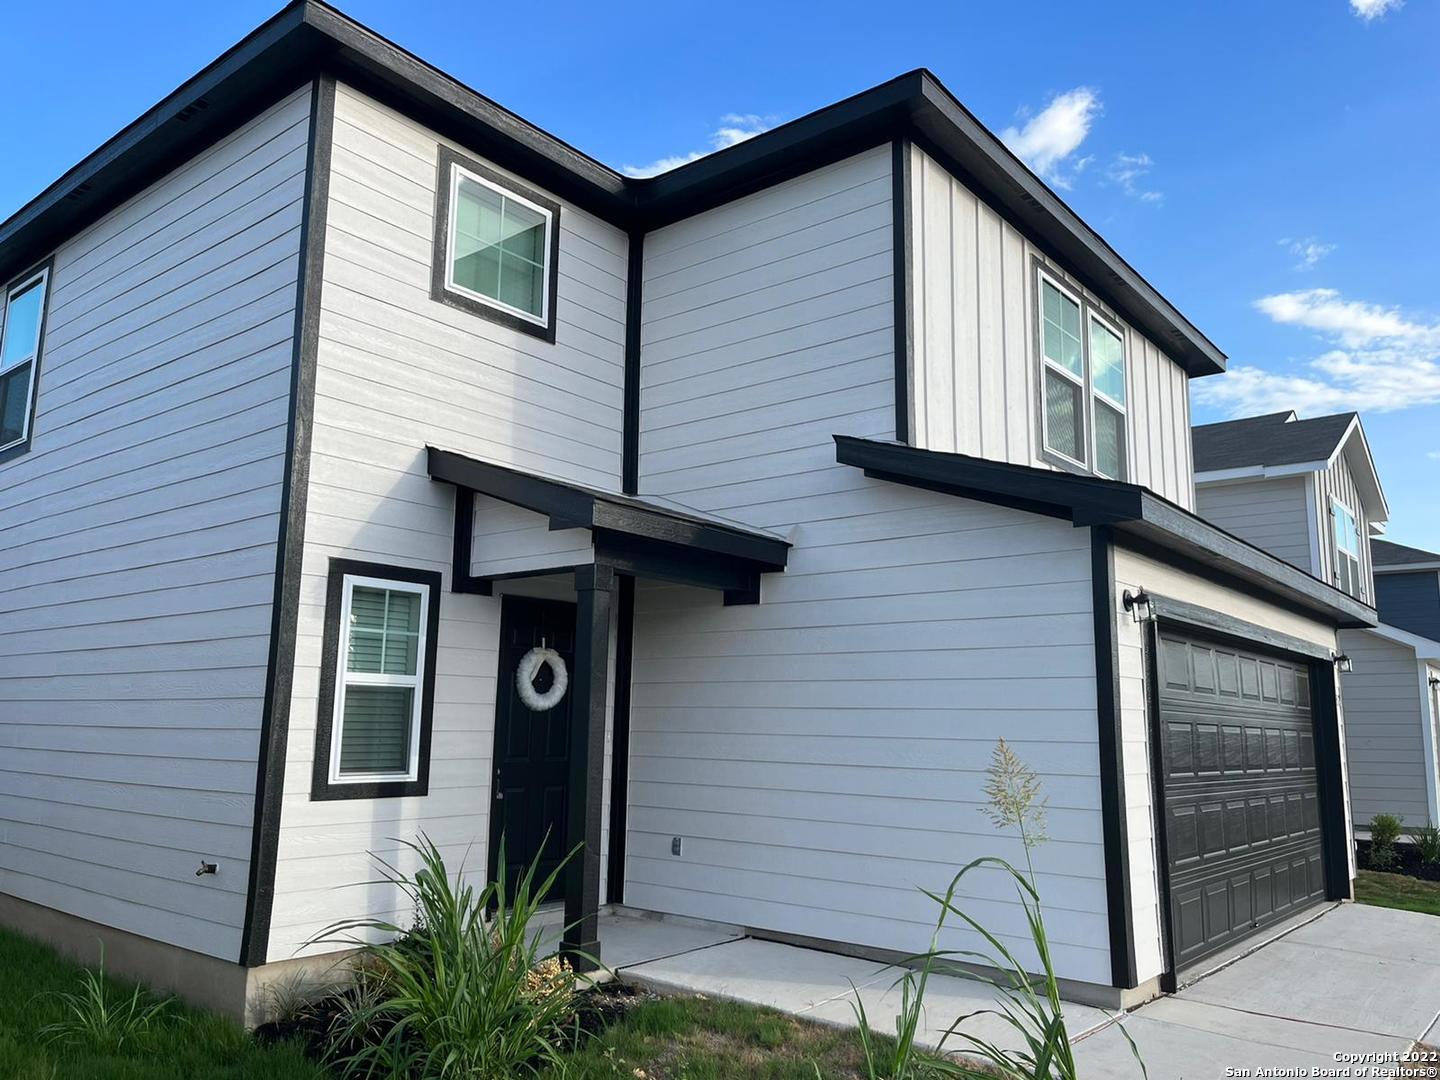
(1095, 501)
(1281, 444)
(308, 37)
(1388, 556)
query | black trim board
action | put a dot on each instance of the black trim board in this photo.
(1123, 973)
(1137, 514)
(446, 162)
(634, 298)
(904, 313)
(285, 607)
(48, 267)
(1330, 770)
(1155, 734)
(573, 506)
(309, 36)
(321, 789)
(620, 736)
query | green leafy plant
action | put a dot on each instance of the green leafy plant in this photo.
(101, 1017)
(1384, 831)
(1427, 843)
(1030, 1005)
(465, 993)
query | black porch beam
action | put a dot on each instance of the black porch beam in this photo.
(594, 591)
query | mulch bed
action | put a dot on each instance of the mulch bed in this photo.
(595, 1010)
(1407, 862)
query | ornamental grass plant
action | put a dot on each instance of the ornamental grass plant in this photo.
(468, 992)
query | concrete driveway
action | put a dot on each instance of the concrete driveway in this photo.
(1355, 980)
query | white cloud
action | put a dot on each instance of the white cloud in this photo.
(1373, 9)
(1383, 362)
(1308, 250)
(1129, 171)
(1434, 455)
(1052, 135)
(734, 128)
(1352, 322)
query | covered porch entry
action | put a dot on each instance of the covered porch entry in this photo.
(564, 560)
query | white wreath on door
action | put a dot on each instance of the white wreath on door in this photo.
(529, 667)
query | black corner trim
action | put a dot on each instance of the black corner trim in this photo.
(48, 267)
(634, 299)
(446, 161)
(321, 789)
(1150, 642)
(1112, 764)
(285, 607)
(620, 736)
(1330, 772)
(904, 314)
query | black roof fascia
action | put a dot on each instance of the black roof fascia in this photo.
(309, 36)
(573, 506)
(1087, 500)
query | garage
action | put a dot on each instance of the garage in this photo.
(1243, 836)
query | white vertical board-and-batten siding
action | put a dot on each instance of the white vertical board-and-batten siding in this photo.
(1338, 482)
(1274, 514)
(1137, 573)
(398, 370)
(137, 555)
(822, 754)
(976, 372)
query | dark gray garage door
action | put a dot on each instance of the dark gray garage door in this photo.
(1241, 801)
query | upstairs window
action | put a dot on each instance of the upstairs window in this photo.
(1347, 550)
(1083, 384)
(22, 326)
(373, 735)
(496, 246)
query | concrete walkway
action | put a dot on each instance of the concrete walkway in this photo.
(1354, 980)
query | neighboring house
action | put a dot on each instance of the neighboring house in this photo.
(1308, 491)
(821, 463)
(1392, 698)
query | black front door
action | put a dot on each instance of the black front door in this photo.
(532, 749)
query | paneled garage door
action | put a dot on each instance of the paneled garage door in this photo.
(1242, 803)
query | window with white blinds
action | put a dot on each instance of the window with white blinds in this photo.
(379, 681)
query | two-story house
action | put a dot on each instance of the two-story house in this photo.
(1308, 491)
(1392, 698)
(380, 464)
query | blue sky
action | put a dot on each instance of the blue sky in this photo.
(1272, 168)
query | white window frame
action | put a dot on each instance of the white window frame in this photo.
(1093, 316)
(459, 172)
(344, 678)
(41, 276)
(1336, 507)
(1083, 380)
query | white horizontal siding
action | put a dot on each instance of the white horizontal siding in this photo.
(1274, 515)
(137, 547)
(823, 754)
(397, 371)
(511, 540)
(1384, 734)
(976, 371)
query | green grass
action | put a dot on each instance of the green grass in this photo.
(696, 1038)
(185, 1045)
(1397, 891)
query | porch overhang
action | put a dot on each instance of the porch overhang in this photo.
(1137, 516)
(631, 535)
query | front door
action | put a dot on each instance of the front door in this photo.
(532, 749)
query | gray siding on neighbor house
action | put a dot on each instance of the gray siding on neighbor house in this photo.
(397, 370)
(137, 547)
(976, 369)
(1274, 515)
(822, 753)
(1410, 601)
(1384, 737)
